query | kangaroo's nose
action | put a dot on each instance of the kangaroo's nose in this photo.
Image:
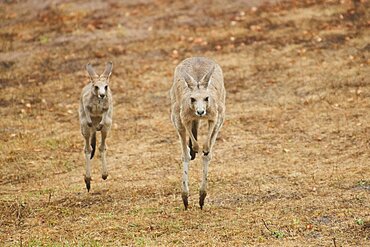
(200, 112)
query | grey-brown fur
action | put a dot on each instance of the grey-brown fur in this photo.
(197, 93)
(95, 112)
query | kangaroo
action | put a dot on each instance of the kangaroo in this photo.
(197, 93)
(95, 112)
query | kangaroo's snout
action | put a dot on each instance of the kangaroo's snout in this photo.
(200, 113)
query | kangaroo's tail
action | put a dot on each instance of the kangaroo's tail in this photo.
(194, 130)
(93, 145)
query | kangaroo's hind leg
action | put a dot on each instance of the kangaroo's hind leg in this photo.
(87, 150)
(102, 150)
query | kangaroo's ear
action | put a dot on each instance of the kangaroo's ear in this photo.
(108, 70)
(190, 81)
(207, 77)
(93, 75)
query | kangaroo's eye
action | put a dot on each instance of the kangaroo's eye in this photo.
(106, 87)
(192, 100)
(96, 88)
(206, 99)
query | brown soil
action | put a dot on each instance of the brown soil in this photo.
(291, 165)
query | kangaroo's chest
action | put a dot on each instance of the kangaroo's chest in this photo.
(98, 108)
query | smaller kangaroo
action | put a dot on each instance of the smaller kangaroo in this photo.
(95, 112)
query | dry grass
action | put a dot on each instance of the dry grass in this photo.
(293, 153)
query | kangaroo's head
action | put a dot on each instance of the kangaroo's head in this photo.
(100, 83)
(199, 98)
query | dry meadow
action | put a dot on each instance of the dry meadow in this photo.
(292, 161)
